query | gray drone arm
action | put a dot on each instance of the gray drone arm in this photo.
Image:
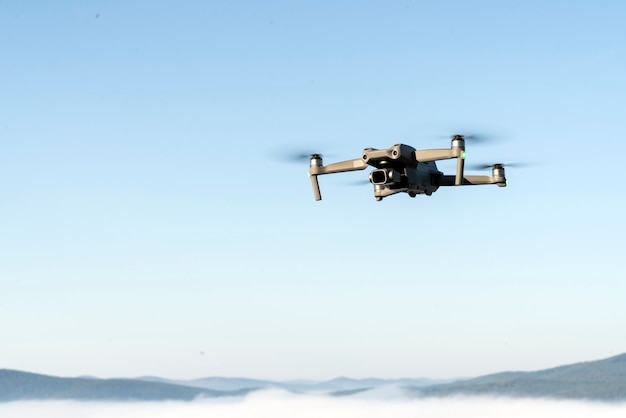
(342, 167)
(497, 177)
(428, 155)
(317, 169)
(472, 180)
(457, 150)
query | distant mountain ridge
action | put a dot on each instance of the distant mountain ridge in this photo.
(603, 380)
(217, 383)
(337, 384)
(17, 385)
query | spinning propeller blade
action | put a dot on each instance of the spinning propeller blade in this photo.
(297, 156)
(485, 166)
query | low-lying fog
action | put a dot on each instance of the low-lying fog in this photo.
(384, 403)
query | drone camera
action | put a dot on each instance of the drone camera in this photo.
(378, 177)
(384, 176)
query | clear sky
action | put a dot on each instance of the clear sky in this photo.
(146, 227)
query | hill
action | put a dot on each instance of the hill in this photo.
(328, 386)
(217, 383)
(603, 380)
(17, 385)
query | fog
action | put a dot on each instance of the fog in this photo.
(274, 404)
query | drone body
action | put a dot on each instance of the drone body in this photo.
(403, 169)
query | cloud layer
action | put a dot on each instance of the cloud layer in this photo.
(275, 404)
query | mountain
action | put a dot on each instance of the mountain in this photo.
(17, 385)
(348, 385)
(334, 385)
(603, 380)
(218, 383)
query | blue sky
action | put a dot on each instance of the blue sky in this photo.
(148, 229)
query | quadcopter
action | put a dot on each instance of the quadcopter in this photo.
(403, 169)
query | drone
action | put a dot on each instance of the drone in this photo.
(403, 169)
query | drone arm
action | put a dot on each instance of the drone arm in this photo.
(472, 180)
(342, 167)
(316, 188)
(457, 152)
(317, 169)
(428, 155)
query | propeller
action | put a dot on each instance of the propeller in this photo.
(476, 138)
(297, 156)
(287, 154)
(485, 166)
